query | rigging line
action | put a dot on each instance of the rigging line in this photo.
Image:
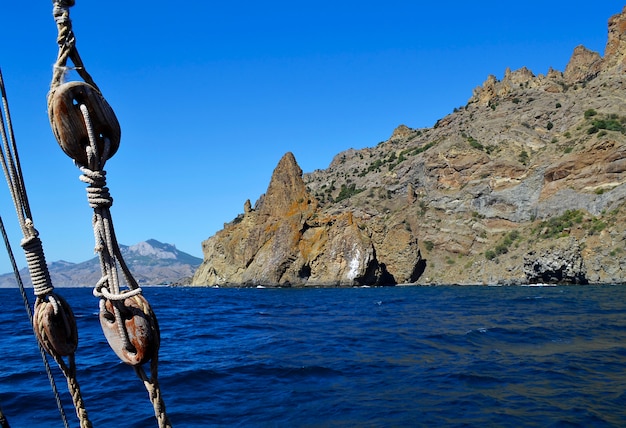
(58, 339)
(10, 161)
(139, 341)
(29, 311)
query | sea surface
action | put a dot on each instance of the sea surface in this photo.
(446, 356)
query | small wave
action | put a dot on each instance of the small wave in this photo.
(478, 330)
(539, 285)
(477, 379)
(264, 369)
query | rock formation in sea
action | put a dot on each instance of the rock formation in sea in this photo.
(525, 183)
(287, 240)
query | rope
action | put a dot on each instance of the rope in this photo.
(38, 269)
(36, 262)
(18, 278)
(69, 371)
(114, 302)
(152, 386)
(67, 46)
(108, 287)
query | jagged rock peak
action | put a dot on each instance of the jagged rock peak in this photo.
(401, 132)
(493, 87)
(615, 51)
(286, 188)
(584, 65)
(518, 76)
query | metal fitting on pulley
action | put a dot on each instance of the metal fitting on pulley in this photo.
(69, 125)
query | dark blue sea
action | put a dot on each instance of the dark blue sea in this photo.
(361, 357)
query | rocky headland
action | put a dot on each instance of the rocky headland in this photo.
(524, 184)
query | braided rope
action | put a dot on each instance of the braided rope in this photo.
(108, 287)
(154, 391)
(99, 198)
(68, 369)
(29, 312)
(67, 46)
(31, 243)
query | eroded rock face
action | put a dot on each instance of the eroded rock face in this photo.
(480, 198)
(560, 263)
(583, 65)
(602, 166)
(615, 51)
(287, 241)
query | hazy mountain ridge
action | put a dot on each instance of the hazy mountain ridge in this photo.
(151, 262)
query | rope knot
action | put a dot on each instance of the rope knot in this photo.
(98, 194)
(37, 267)
(102, 291)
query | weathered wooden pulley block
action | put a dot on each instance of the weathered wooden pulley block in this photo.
(69, 124)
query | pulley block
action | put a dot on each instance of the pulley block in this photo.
(138, 339)
(68, 122)
(55, 325)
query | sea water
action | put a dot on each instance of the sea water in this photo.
(360, 357)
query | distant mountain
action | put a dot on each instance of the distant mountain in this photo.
(151, 262)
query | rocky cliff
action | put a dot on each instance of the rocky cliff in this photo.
(288, 240)
(525, 183)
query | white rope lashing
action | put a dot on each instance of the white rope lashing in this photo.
(87, 130)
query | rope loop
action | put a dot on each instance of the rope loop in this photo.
(98, 195)
(100, 290)
(36, 261)
(87, 130)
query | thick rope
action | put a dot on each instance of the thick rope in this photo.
(67, 46)
(69, 371)
(99, 198)
(29, 311)
(31, 243)
(154, 391)
(108, 288)
(36, 261)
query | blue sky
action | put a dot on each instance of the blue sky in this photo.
(211, 95)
